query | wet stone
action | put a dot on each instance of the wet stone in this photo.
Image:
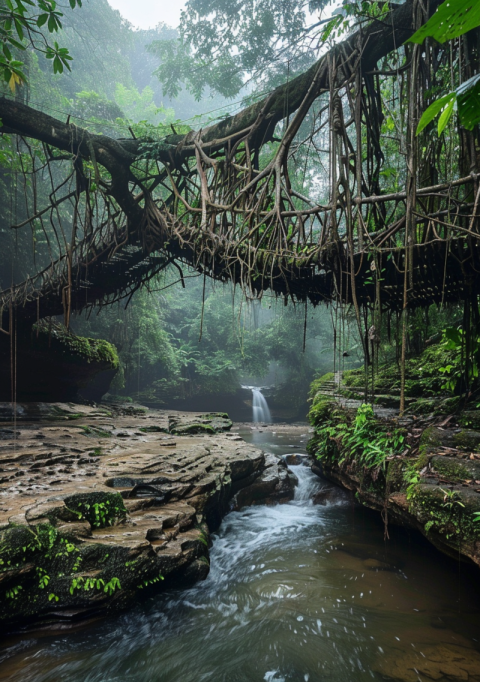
(330, 495)
(127, 509)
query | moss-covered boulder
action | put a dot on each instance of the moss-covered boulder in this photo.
(214, 422)
(456, 469)
(53, 365)
(470, 419)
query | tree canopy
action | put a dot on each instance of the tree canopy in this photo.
(30, 23)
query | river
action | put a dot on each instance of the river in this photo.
(295, 594)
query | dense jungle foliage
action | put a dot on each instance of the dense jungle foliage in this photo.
(171, 345)
(114, 80)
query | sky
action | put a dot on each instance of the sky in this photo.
(149, 13)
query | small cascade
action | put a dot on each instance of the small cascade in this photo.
(261, 412)
(307, 484)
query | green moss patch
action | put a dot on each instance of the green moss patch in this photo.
(424, 381)
(430, 440)
(455, 469)
(450, 513)
(196, 427)
(153, 429)
(74, 348)
(210, 423)
(471, 419)
(99, 509)
(95, 431)
(467, 439)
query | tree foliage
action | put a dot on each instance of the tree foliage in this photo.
(307, 191)
(222, 42)
(450, 21)
(447, 23)
(28, 23)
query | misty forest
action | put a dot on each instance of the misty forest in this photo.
(240, 340)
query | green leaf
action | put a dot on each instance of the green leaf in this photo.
(452, 19)
(330, 27)
(42, 19)
(446, 116)
(453, 334)
(468, 98)
(19, 29)
(434, 109)
(15, 43)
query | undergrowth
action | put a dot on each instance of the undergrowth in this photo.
(341, 436)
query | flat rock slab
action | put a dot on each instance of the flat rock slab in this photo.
(101, 503)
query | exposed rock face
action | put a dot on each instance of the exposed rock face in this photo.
(200, 423)
(436, 491)
(295, 459)
(100, 506)
(274, 485)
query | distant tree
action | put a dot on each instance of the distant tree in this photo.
(220, 42)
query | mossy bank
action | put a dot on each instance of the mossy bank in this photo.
(422, 473)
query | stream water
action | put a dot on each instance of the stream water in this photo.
(295, 594)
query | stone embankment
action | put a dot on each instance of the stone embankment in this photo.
(99, 506)
(432, 486)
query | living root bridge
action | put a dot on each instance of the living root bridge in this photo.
(443, 272)
(205, 200)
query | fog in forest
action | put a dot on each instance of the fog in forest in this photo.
(239, 340)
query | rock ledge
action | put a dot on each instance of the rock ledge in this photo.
(100, 506)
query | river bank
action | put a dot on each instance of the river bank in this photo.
(420, 471)
(100, 505)
(296, 591)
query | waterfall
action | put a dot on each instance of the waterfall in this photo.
(261, 413)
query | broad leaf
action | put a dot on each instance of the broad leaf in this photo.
(445, 116)
(452, 19)
(434, 109)
(468, 98)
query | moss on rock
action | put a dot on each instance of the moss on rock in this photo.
(430, 440)
(426, 490)
(73, 348)
(55, 365)
(467, 439)
(450, 468)
(99, 509)
(213, 422)
(448, 513)
(195, 427)
(153, 429)
(456, 469)
(470, 418)
(395, 475)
